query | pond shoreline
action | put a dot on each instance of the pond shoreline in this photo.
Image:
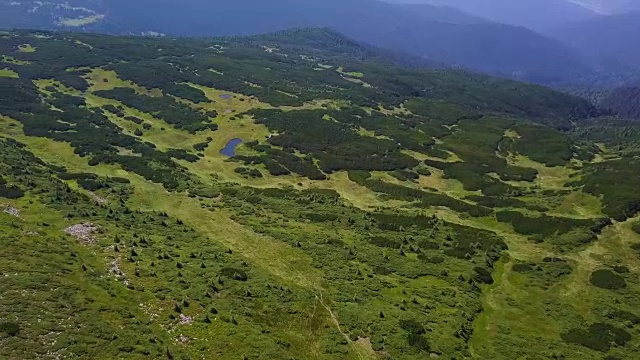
(230, 148)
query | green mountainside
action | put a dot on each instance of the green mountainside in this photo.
(372, 210)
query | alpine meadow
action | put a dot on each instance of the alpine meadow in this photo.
(302, 195)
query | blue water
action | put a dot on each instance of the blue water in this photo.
(230, 149)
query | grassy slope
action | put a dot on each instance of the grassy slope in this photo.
(520, 317)
(287, 264)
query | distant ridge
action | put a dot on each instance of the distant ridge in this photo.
(538, 15)
(323, 40)
(610, 39)
(440, 35)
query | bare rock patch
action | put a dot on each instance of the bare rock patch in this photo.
(84, 232)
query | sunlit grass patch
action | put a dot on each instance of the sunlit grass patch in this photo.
(8, 73)
(227, 103)
(26, 48)
(355, 74)
(548, 177)
(101, 79)
(78, 42)
(81, 21)
(12, 60)
(287, 94)
(579, 204)
(44, 85)
(357, 81)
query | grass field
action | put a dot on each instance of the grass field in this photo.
(26, 48)
(11, 60)
(8, 73)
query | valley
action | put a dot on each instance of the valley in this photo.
(370, 211)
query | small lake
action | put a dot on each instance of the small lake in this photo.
(230, 149)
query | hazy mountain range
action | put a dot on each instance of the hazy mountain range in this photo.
(545, 41)
(529, 11)
(538, 15)
(606, 40)
(609, 6)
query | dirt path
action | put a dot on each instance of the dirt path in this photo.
(359, 347)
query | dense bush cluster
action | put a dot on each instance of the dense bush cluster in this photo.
(335, 145)
(598, 336)
(545, 273)
(119, 112)
(476, 142)
(91, 134)
(187, 92)
(483, 276)
(359, 177)
(423, 198)
(607, 279)
(550, 226)
(415, 335)
(411, 132)
(10, 328)
(405, 175)
(542, 144)
(283, 162)
(201, 146)
(505, 202)
(247, 172)
(414, 195)
(175, 113)
(9, 191)
(614, 180)
(624, 316)
(624, 101)
(91, 182)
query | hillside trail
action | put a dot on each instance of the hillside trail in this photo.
(358, 347)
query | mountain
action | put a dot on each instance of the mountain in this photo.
(297, 195)
(538, 15)
(608, 40)
(439, 34)
(604, 6)
(629, 6)
(624, 101)
(445, 14)
(503, 50)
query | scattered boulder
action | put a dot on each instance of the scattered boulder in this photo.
(99, 200)
(182, 339)
(185, 320)
(11, 211)
(84, 232)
